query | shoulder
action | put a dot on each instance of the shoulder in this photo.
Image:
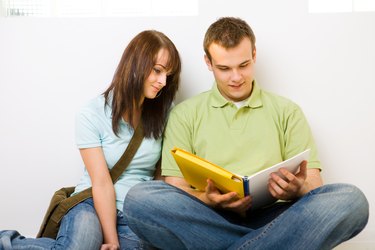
(95, 106)
(192, 104)
(278, 103)
(94, 112)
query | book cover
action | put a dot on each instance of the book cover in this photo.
(197, 170)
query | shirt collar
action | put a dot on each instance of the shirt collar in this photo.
(255, 101)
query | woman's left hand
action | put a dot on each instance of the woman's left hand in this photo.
(110, 246)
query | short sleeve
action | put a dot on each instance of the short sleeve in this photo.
(86, 132)
(298, 136)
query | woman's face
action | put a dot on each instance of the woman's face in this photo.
(158, 76)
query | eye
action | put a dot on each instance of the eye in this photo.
(244, 65)
(157, 71)
(223, 69)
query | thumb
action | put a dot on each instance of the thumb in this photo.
(210, 186)
(303, 169)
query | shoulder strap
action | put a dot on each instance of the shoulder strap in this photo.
(117, 169)
(129, 153)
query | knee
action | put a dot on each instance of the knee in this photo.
(80, 229)
(147, 197)
(352, 196)
(88, 224)
(143, 195)
(360, 206)
(350, 200)
(6, 238)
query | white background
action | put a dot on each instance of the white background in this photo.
(50, 67)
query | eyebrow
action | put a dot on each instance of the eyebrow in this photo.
(225, 66)
(161, 65)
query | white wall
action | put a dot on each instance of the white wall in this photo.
(50, 67)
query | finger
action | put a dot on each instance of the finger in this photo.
(294, 181)
(288, 176)
(228, 198)
(303, 170)
(240, 203)
(216, 197)
(211, 188)
(272, 191)
(275, 189)
(279, 181)
(240, 206)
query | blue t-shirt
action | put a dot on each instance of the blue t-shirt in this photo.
(94, 129)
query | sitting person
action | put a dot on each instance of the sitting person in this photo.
(142, 90)
(244, 129)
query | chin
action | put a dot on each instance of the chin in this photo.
(151, 96)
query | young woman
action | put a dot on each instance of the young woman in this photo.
(142, 90)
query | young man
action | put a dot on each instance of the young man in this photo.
(244, 129)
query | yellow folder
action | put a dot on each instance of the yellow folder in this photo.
(197, 170)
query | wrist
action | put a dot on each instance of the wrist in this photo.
(303, 190)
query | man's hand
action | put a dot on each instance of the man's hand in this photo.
(229, 201)
(286, 186)
(212, 197)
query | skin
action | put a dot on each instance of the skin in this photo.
(233, 70)
(158, 76)
(102, 187)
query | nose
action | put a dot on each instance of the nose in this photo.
(162, 79)
(236, 75)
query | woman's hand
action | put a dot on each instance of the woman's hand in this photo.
(110, 246)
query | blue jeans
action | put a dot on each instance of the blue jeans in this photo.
(80, 229)
(169, 218)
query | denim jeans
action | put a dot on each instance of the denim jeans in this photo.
(169, 218)
(80, 229)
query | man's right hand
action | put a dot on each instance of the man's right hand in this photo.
(212, 196)
(229, 201)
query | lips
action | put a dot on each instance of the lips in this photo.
(156, 89)
(236, 86)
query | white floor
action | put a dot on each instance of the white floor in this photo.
(356, 246)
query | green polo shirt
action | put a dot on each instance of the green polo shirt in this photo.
(266, 130)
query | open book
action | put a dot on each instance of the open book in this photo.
(197, 170)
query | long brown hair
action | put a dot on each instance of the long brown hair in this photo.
(126, 89)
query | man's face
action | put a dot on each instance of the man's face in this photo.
(233, 69)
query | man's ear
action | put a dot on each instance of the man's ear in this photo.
(208, 62)
(254, 54)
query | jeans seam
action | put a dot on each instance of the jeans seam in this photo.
(246, 244)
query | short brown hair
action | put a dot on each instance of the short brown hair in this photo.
(227, 32)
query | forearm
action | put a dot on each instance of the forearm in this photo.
(182, 184)
(103, 192)
(105, 206)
